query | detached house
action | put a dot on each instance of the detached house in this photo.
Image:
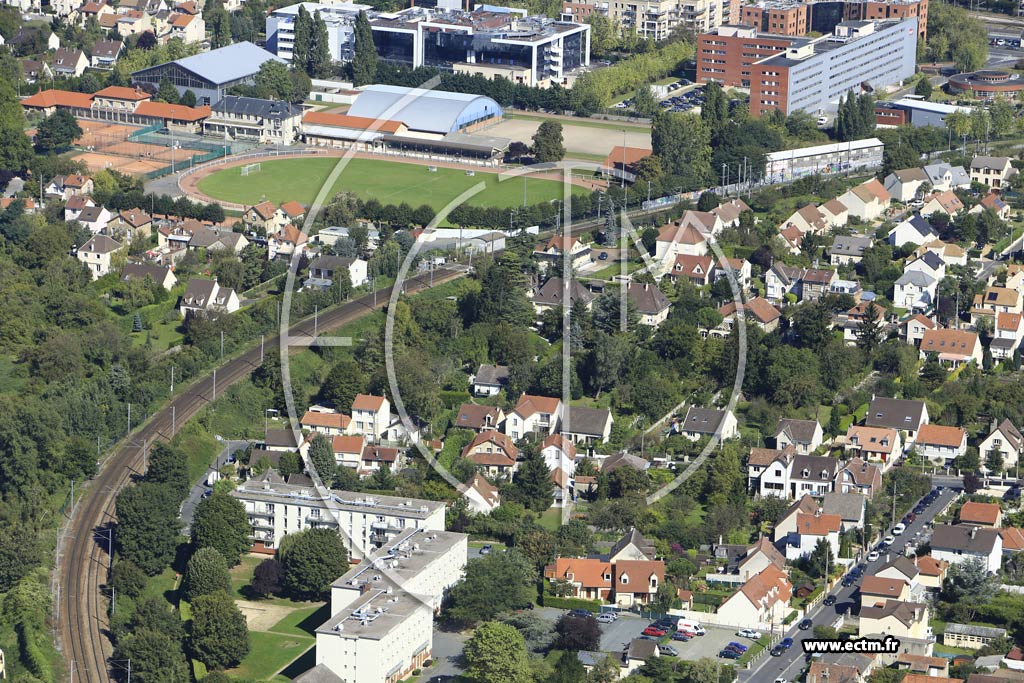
(1009, 331)
(874, 444)
(371, 415)
(1004, 439)
(903, 415)
(586, 426)
(105, 52)
(955, 544)
(992, 171)
(942, 176)
(729, 212)
(942, 202)
(558, 247)
(478, 418)
(955, 347)
(981, 514)
(97, 254)
(489, 380)
(481, 495)
(781, 280)
(264, 218)
(649, 302)
(859, 476)
(696, 269)
(636, 581)
(68, 63)
(203, 297)
(160, 275)
(790, 475)
(589, 578)
(320, 420)
(994, 202)
(757, 311)
(761, 602)
(285, 241)
(913, 230)
(551, 295)
(323, 270)
(805, 436)
(904, 184)
(848, 250)
(810, 529)
(539, 414)
(493, 453)
(913, 328)
(876, 590)
(915, 291)
(348, 450)
(701, 422)
(903, 620)
(941, 444)
(867, 201)
(674, 240)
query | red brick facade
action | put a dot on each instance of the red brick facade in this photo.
(729, 59)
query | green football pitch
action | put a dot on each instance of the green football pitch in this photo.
(388, 182)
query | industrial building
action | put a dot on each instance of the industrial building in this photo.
(839, 157)
(812, 75)
(915, 112)
(494, 41)
(800, 17)
(210, 74)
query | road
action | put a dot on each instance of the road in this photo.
(200, 487)
(82, 558)
(790, 665)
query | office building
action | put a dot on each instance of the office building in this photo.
(495, 41)
(277, 507)
(727, 53)
(915, 112)
(798, 18)
(813, 75)
(381, 628)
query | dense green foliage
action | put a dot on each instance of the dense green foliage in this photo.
(220, 522)
(219, 637)
(311, 560)
(205, 574)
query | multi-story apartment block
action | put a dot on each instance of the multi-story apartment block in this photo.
(500, 41)
(727, 53)
(276, 508)
(798, 18)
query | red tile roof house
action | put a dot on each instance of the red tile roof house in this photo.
(493, 453)
(941, 444)
(587, 578)
(981, 514)
(348, 450)
(636, 581)
(541, 414)
(324, 421)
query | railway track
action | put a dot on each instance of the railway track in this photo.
(82, 552)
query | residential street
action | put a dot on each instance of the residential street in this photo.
(188, 508)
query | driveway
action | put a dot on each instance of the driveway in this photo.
(447, 652)
(188, 508)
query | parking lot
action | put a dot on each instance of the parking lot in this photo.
(616, 635)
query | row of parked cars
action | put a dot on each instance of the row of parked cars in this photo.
(684, 102)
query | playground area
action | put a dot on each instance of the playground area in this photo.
(150, 150)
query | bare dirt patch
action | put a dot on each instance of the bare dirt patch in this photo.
(260, 616)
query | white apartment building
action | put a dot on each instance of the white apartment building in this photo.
(277, 508)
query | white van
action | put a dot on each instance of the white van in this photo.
(689, 626)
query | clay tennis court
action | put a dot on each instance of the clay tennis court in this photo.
(109, 147)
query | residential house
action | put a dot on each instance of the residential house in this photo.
(928, 263)
(810, 530)
(859, 476)
(901, 568)
(75, 205)
(867, 201)
(636, 654)
(539, 414)
(105, 52)
(1004, 439)
(874, 444)
(324, 269)
(933, 572)
(586, 426)
(847, 250)
(94, 218)
(942, 176)
(831, 672)
(285, 242)
(696, 269)
(903, 185)
(132, 223)
(981, 514)
(589, 578)
(790, 475)
(97, 254)
(955, 347)
(736, 268)
(708, 223)
(292, 210)
(489, 380)
(674, 240)
(710, 422)
(921, 664)
(781, 280)
(836, 213)
(808, 219)
(551, 295)
(912, 329)
(558, 247)
(632, 546)
(649, 302)
(850, 507)
(320, 420)
(792, 239)
(955, 544)
(759, 460)
(992, 171)
(217, 239)
(852, 320)
(348, 450)
(204, 296)
(737, 564)
(1013, 539)
(635, 582)
(159, 275)
(560, 456)
(95, 10)
(952, 254)
(69, 186)
(913, 230)
(941, 444)
(481, 495)
(942, 202)
(376, 457)
(189, 28)
(904, 415)
(915, 291)
(728, 212)
(370, 415)
(970, 637)
(876, 590)
(760, 602)
(68, 63)
(816, 283)
(478, 418)
(757, 311)
(903, 620)
(264, 218)
(1009, 330)
(995, 300)
(994, 202)
(805, 436)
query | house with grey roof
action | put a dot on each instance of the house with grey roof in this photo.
(946, 177)
(649, 302)
(217, 239)
(915, 290)
(958, 543)
(805, 436)
(848, 249)
(903, 185)
(905, 416)
(710, 422)
(97, 253)
(161, 275)
(324, 269)
(632, 546)
(254, 119)
(203, 297)
(913, 230)
(105, 53)
(969, 636)
(851, 508)
(586, 425)
(551, 295)
(489, 379)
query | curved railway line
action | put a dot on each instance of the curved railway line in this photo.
(82, 552)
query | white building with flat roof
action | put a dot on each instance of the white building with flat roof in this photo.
(838, 157)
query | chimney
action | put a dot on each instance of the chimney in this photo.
(974, 531)
(887, 558)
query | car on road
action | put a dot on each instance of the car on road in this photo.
(786, 643)
(729, 654)
(888, 540)
(849, 580)
(667, 651)
(822, 120)
(654, 631)
(873, 555)
(909, 519)
(739, 647)
(486, 550)
(777, 651)
(898, 529)
(682, 637)
(607, 617)
(579, 613)
(748, 633)
(805, 624)
(830, 600)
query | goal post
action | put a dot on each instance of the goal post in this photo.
(249, 169)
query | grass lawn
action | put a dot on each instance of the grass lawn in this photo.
(388, 182)
(303, 622)
(608, 272)
(551, 519)
(269, 653)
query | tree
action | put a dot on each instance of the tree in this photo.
(532, 482)
(219, 637)
(547, 142)
(820, 559)
(707, 201)
(266, 578)
(220, 522)
(289, 463)
(683, 143)
(645, 103)
(274, 82)
(923, 87)
(344, 381)
(994, 461)
(127, 579)
(320, 63)
(968, 583)
(715, 110)
(321, 455)
(57, 132)
(382, 479)
(311, 560)
(147, 526)
(167, 466)
(1002, 114)
(188, 98)
(869, 332)
(364, 58)
(497, 583)
(167, 92)
(578, 633)
(156, 656)
(303, 39)
(496, 654)
(206, 573)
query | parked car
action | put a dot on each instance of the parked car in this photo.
(739, 647)
(579, 613)
(898, 529)
(729, 654)
(777, 651)
(681, 637)
(873, 555)
(667, 651)
(830, 600)
(805, 624)
(848, 580)
(748, 633)
(909, 519)
(888, 540)
(606, 617)
(654, 631)
(786, 643)
(486, 550)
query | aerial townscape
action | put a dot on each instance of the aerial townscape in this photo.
(543, 341)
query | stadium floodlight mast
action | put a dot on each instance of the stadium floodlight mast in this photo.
(307, 330)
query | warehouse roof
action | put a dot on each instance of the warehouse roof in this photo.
(226, 64)
(426, 110)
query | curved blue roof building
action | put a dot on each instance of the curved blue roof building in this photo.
(428, 111)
